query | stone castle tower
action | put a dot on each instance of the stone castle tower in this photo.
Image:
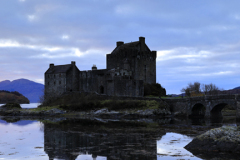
(129, 66)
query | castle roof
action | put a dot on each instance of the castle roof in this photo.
(128, 46)
(125, 46)
(59, 69)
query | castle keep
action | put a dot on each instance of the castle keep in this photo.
(129, 66)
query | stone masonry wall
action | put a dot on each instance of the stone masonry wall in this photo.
(55, 84)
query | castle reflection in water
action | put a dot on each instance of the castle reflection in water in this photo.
(70, 139)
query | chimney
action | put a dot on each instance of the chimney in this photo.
(142, 43)
(155, 53)
(51, 65)
(94, 67)
(119, 43)
(73, 63)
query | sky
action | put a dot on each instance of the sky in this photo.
(195, 40)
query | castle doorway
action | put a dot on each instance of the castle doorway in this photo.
(101, 90)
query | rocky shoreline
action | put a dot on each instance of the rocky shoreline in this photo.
(102, 113)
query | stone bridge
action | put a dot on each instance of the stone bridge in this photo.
(206, 106)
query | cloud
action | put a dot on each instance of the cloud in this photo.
(31, 17)
(195, 40)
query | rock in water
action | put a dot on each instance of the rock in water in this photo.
(223, 139)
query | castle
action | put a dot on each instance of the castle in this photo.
(129, 66)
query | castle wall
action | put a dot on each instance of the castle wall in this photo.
(55, 84)
(75, 78)
(145, 67)
(128, 87)
(117, 60)
(129, 66)
(72, 79)
(142, 64)
(92, 81)
(102, 82)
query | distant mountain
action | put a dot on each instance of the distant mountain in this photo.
(29, 89)
(236, 88)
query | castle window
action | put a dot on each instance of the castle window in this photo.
(145, 70)
(59, 82)
(124, 73)
(60, 75)
(54, 83)
(48, 82)
(101, 90)
(54, 76)
(48, 75)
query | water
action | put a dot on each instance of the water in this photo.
(30, 105)
(171, 146)
(91, 139)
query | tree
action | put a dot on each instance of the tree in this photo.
(192, 88)
(186, 91)
(197, 89)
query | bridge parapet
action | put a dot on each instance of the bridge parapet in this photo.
(176, 100)
(212, 104)
(223, 96)
(200, 98)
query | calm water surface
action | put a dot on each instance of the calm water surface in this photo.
(89, 140)
(30, 105)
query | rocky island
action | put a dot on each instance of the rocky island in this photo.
(12, 97)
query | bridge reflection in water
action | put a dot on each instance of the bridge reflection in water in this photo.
(70, 139)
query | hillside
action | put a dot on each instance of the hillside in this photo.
(7, 97)
(29, 89)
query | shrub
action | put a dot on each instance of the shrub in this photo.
(11, 106)
(154, 89)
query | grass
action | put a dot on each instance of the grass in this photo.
(116, 105)
(227, 112)
(179, 97)
(45, 108)
(151, 96)
(87, 102)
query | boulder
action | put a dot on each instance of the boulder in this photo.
(223, 139)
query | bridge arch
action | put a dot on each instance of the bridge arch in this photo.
(216, 110)
(198, 110)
